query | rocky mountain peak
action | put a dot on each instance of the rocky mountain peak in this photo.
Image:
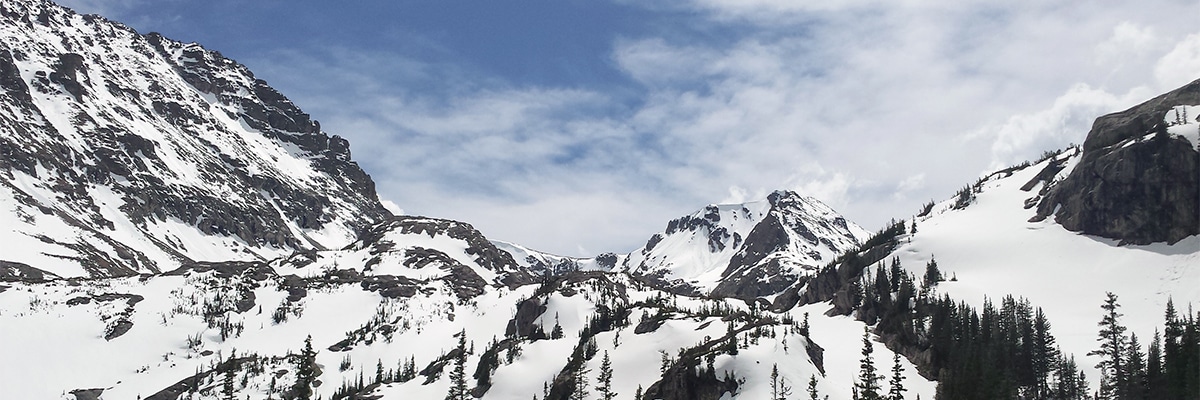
(745, 250)
(125, 154)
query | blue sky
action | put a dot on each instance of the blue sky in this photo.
(578, 127)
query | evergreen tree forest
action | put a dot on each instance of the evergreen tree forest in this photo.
(1008, 351)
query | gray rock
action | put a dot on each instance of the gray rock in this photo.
(1136, 191)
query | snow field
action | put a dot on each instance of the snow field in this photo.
(993, 251)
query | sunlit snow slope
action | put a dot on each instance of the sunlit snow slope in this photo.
(992, 251)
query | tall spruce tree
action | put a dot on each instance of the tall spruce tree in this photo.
(1156, 384)
(867, 386)
(1190, 341)
(1135, 371)
(1174, 356)
(1069, 382)
(1111, 351)
(774, 381)
(306, 369)
(1044, 355)
(779, 387)
(458, 376)
(896, 384)
(580, 391)
(604, 382)
(227, 380)
(731, 346)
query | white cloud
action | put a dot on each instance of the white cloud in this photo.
(873, 107)
(1181, 65)
(909, 184)
(392, 207)
(1066, 122)
(1128, 41)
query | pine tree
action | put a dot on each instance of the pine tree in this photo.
(410, 370)
(774, 381)
(604, 382)
(812, 388)
(1067, 380)
(731, 346)
(1112, 351)
(580, 391)
(1044, 355)
(1155, 380)
(557, 331)
(867, 386)
(933, 275)
(1174, 354)
(638, 394)
(1190, 342)
(896, 385)
(458, 376)
(305, 371)
(896, 274)
(1135, 371)
(227, 381)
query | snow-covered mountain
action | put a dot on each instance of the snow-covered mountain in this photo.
(743, 250)
(126, 153)
(748, 250)
(174, 228)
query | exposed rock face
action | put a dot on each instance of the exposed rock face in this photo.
(10, 271)
(123, 154)
(1136, 182)
(787, 247)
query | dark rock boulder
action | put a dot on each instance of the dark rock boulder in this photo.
(14, 271)
(67, 73)
(391, 286)
(252, 270)
(464, 281)
(523, 322)
(1134, 182)
(87, 394)
(117, 328)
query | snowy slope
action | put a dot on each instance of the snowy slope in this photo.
(188, 323)
(993, 251)
(128, 154)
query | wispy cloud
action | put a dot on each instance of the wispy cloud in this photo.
(874, 107)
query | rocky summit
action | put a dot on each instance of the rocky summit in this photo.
(126, 153)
